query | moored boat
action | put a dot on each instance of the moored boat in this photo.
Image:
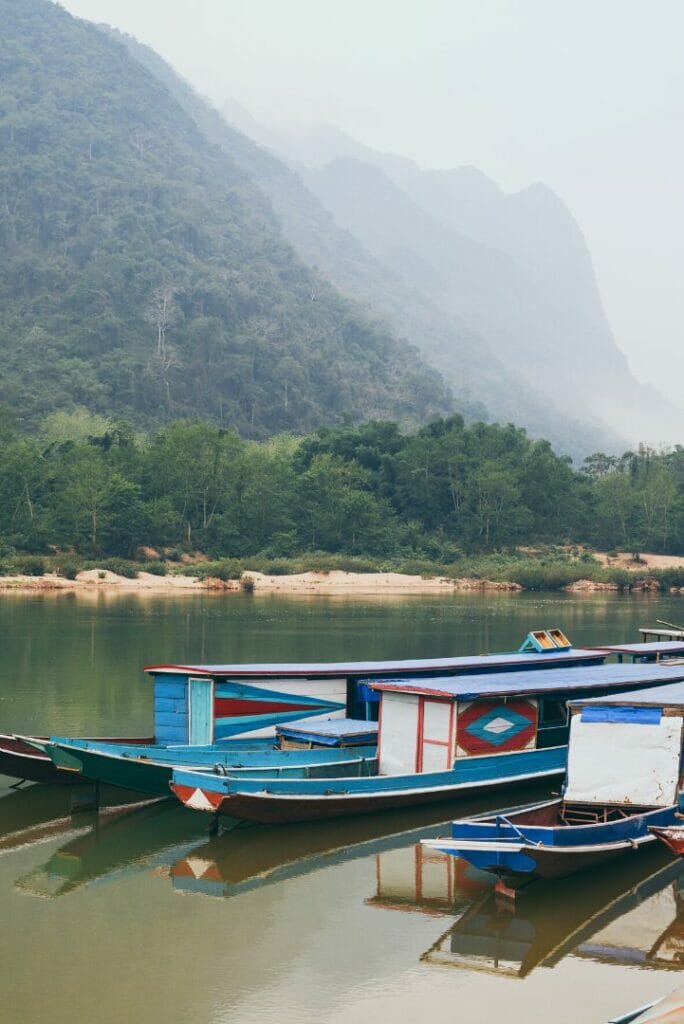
(438, 738)
(623, 772)
(205, 704)
(149, 769)
(23, 760)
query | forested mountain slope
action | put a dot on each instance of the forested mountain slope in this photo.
(480, 381)
(142, 273)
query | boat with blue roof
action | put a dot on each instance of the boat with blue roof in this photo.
(199, 704)
(438, 738)
(623, 777)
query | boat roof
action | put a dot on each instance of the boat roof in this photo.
(644, 649)
(508, 684)
(331, 727)
(656, 697)
(375, 669)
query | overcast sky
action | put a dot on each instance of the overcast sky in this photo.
(587, 97)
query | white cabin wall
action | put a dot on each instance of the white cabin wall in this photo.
(399, 733)
(623, 763)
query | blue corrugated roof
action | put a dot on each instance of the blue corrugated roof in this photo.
(655, 696)
(573, 680)
(331, 727)
(476, 663)
(646, 649)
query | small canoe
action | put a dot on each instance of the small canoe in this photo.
(673, 837)
(552, 839)
(23, 760)
(149, 769)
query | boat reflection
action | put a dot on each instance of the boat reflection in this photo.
(149, 836)
(38, 813)
(632, 914)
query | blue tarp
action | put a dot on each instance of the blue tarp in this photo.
(331, 731)
(634, 716)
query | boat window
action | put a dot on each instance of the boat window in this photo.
(552, 713)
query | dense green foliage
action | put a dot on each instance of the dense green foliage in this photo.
(431, 497)
(144, 276)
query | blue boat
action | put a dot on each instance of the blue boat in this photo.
(438, 738)
(148, 769)
(624, 764)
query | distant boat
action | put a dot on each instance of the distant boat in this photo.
(623, 772)
(438, 738)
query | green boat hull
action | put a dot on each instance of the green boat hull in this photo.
(141, 776)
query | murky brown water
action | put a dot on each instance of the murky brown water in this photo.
(143, 917)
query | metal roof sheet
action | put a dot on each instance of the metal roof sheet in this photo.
(657, 696)
(368, 669)
(644, 649)
(615, 677)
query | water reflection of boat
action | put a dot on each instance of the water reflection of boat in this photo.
(149, 835)
(39, 813)
(638, 900)
(255, 855)
(416, 878)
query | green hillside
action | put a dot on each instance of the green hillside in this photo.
(143, 275)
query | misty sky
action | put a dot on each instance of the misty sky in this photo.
(587, 97)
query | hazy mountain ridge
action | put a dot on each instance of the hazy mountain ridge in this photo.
(478, 377)
(144, 275)
(539, 311)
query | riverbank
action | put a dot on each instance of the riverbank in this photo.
(589, 573)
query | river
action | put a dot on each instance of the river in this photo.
(142, 917)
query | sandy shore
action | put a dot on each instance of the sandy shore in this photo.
(624, 560)
(324, 583)
(102, 581)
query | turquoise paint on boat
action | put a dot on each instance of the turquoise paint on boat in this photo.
(200, 707)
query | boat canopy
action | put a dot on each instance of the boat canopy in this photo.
(650, 649)
(612, 677)
(379, 669)
(669, 696)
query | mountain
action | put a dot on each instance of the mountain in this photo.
(514, 268)
(479, 379)
(143, 274)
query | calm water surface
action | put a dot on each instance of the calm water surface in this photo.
(142, 917)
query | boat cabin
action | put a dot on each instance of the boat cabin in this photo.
(626, 750)
(435, 725)
(199, 704)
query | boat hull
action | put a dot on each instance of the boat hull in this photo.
(273, 802)
(152, 775)
(673, 838)
(522, 847)
(19, 760)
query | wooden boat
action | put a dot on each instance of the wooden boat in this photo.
(438, 738)
(149, 769)
(196, 704)
(623, 772)
(20, 759)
